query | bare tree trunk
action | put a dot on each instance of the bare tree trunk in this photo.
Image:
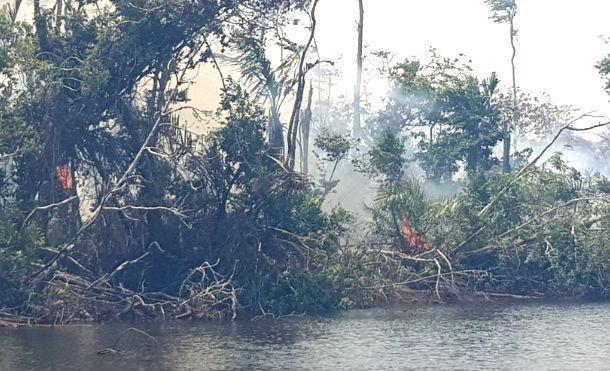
(514, 77)
(357, 131)
(514, 123)
(293, 125)
(59, 12)
(14, 10)
(275, 133)
(305, 130)
(76, 221)
(506, 142)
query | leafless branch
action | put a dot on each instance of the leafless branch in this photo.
(523, 171)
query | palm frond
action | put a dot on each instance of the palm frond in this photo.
(257, 73)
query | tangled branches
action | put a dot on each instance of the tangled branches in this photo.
(391, 275)
(204, 294)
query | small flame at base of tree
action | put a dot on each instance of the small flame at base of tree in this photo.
(412, 238)
(65, 177)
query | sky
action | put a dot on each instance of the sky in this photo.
(559, 41)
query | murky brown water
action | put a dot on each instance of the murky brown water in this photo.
(516, 336)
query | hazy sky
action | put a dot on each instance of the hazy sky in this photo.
(559, 40)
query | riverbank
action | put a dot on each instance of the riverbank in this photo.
(414, 301)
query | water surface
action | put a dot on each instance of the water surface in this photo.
(522, 336)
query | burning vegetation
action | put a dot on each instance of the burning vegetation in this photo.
(112, 208)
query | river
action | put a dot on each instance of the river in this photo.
(515, 336)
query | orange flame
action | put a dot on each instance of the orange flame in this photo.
(412, 237)
(65, 177)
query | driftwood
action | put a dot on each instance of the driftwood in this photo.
(13, 320)
(114, 348)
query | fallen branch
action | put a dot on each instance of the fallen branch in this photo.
(523, 171)
(114, 350)
(47, 207)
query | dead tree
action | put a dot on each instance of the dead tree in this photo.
(357, 130)
(305, 131)
(293, 126)
(505, 11)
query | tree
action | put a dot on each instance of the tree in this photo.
(306, 132)
(468, 130)
(94, 94)
(335, 148)
(505, 11)
(269, 85)
(451, 114)
(293, 125)
(400, 206)
(359, 61)
(603, 67)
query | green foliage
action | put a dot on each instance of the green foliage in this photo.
(604, 70)
(386, 157)
(16, 45)
(544, 232)
(94, 76)
(397, 195)
(452, 115)
(298, 293)
(502, 10)
(18, 251)
(262, 224)
(335, 146)
(396, 200)
(96, 81)
(536, 237)
(16, 41)
(468, 132)
(84, 89)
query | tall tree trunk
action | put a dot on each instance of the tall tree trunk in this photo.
(275, 133)
(42, 32)
(59, 12)
(293, 125)
(76, 221)
(359, 66)
(515, 120)
(506, 142)
(305, 130)
(514, 123)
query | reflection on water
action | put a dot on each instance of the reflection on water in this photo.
(482, 336)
